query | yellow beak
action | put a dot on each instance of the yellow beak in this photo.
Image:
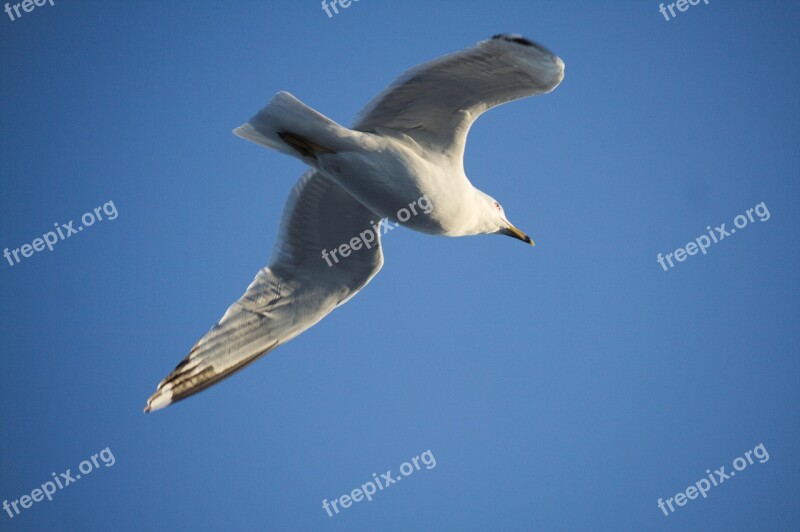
(516, 233)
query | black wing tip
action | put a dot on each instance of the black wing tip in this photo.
(514, 37)
(519, 39)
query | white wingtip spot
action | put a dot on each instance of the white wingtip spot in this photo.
(160, 399)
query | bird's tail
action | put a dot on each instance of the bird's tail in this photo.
(289, 126)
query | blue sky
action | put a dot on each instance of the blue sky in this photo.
(564, 387)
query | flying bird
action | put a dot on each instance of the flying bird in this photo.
(407, 144)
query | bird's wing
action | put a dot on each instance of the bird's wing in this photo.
(436, 103)
(296, 289)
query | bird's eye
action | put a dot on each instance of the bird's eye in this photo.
(499, 208)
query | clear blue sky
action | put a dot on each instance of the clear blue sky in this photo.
(564, 387)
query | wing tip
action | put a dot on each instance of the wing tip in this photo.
(516, 38)
(161, 399)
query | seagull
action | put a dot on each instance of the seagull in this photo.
(406, 144)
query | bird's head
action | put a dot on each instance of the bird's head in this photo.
(493, 219)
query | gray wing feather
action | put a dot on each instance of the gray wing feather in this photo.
(436, 102)
(294, 291)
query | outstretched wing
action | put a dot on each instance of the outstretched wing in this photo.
(296, 289)
(436, 103)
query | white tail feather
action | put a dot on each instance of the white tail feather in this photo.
(286, 114)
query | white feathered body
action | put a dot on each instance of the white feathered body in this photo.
(386, 171)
